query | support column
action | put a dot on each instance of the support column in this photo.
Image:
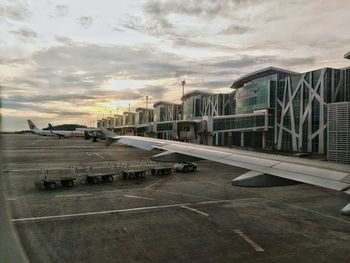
(263, 140)
(242, 139)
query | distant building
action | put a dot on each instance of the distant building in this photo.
(165, 115)
(271, 109)
(339, 132)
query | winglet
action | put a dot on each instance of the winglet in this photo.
(110, 136)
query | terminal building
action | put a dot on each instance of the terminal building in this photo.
(270, 109)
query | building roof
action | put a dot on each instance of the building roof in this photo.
(259, 74)
(347, 55)
(163, 103)
(142, 109)
(195, 93)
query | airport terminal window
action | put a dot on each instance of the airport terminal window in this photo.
(164, 126)
(253, 96)
(295, 80)
(315, 115)
(238, 123)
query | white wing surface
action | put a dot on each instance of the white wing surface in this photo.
(329, 175)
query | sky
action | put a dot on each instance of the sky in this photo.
(75, 61)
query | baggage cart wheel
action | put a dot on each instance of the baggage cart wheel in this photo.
(52, 185)
(125, 175)
(94, 180)
(70, 183)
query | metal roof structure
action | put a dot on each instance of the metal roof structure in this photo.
(195, 93)
(164, 103)
(347, 55)
(142, 109)
(259, 74)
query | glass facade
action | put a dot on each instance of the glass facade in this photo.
(254, 95)
(192, 107)
(238, 123)
(197, 106)
(166, 112)
(166, 126)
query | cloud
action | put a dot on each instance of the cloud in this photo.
(85, 21)
(235, 30)
(61, 10)
(14, 10)
(25, 34)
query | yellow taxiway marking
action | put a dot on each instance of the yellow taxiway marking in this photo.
(249, 240)
(195, 210)
(138, 197)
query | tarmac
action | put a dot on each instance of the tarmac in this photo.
(192, 217)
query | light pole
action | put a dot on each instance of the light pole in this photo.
(146, 121)
(183, 82)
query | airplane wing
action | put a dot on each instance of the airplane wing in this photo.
(265, 169)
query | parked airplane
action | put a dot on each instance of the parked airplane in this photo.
(66, 134)
(34, 129)
(265, 169)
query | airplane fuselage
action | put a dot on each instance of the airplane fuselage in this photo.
(67, 134)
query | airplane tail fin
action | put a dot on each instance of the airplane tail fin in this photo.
(50, 127)
(32, 126)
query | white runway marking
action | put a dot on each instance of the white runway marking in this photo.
(37, 141)
(195, 210)
(138, 197)
(148, 187)
(145, 208)
(320, 213)
(117, 190)
(99, 155)
(249, 240)
(11, 199)
(75, 195)
(187, 195)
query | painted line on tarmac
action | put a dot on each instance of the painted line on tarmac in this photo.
(187, 195)
(76, 195)
(117, 190)
(145, 208)
(36, 141)
(99, 155)
(88, 153)
(148, 187)
(194, 210)
(138, 197)
(11, 199)
(318, 213)
(249, 240)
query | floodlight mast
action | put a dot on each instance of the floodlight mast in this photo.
(183, 82)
